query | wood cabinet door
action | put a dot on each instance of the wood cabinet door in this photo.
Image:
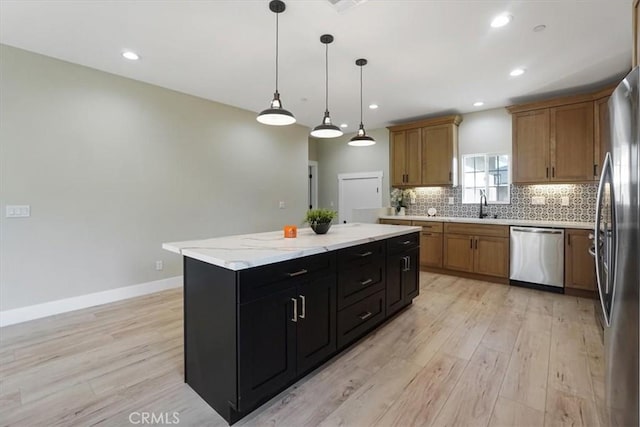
(316, 334)
(571, 142)
(410, 277)
(491, 256)
(394, 293)
(413, 157)
(531, 146)
(398, 157)
(267, 347)
(602, 138)
(431, 249)
(458, 252)
(579, 266)
(437, 155)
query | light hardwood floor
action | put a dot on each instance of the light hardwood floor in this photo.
(466, 353)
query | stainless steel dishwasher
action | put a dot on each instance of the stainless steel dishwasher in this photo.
(537, 256)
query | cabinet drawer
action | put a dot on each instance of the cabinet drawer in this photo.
(395, 221)
(357, 283)
(261, 281)
(358, 318)
(360, 255)
(402, 243)
(433, 227)
(477, 229)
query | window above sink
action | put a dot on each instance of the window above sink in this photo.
(488, 172)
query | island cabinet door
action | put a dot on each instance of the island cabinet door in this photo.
(410, 282)
(267, 346)
(316, 322)
(395, 293)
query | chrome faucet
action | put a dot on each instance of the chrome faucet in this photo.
(483, 196)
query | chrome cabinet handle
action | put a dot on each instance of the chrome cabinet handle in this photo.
(592, 251)
(304, 307)
(295, 310)
(407, 242)
(366, 282)
(365, 315)
(365, 254)
(297, 273)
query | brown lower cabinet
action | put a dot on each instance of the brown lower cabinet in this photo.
(477, 248)
(579, 265)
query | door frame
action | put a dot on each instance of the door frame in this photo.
(342, 177)
(313, 184)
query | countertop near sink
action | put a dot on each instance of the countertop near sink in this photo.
(499, 221)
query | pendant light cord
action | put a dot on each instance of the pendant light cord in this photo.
(361, 95)
(326, 77)
(277, 31)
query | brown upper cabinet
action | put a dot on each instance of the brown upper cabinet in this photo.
(636, 34)
(560, 140)
(424, 153)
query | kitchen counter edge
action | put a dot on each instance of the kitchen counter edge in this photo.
(499, 221)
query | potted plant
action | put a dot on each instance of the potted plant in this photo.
(401, 198)
(320, 219)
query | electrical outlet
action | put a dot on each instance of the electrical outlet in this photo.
(159, 265)
(18, 211)
(281, 205)
(538, 200)
(450, 200)
(564, 201)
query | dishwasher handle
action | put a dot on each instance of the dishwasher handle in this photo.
(536, 230)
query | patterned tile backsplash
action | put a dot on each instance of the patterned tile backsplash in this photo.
(582, 202)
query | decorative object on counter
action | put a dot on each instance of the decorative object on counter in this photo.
(290, 231)
(275, 115)
(432, 211)
(402, 198)
(320, 219)
(361, 139)
(326, 129)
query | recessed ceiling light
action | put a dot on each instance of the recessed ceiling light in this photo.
(478, 104)
(130, 55)
(344, 125)
(539, 28)
(516, 72)
(501, 20)
(373, 106)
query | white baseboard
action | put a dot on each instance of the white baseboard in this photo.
(37, 311)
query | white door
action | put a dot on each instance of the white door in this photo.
(358, 191)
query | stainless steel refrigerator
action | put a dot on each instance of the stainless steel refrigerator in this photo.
(617, 253)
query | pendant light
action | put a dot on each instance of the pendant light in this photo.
(361, 139)
(275, 115)
(326, 129)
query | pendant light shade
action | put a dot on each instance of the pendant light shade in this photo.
(275, 115)
(326, 129)
(361, 139)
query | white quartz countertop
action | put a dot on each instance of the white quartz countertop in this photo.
(499, 221)
(252, 250)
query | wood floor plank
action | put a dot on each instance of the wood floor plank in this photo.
(564, 409)
(568, 364)
(503, 330)
(508, 413)
(421, 401)
(526, 378)
(472, 400)
(465, 339)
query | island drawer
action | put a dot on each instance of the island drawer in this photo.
(402, 243)
(356, 283)
(430, 226)
(360, 317)
(261, 281)
(367, 253)
(477, 229)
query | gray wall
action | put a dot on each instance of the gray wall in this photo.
(113, 167)
(335, 157)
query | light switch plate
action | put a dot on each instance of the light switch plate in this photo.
(538, 200)
(281, 204)
(450, 200)
(564, 201)
(18, 211)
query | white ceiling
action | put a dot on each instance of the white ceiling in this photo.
(425, 57)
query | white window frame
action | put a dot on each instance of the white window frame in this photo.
(486, 159)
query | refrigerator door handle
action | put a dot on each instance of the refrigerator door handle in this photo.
(606, 170)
